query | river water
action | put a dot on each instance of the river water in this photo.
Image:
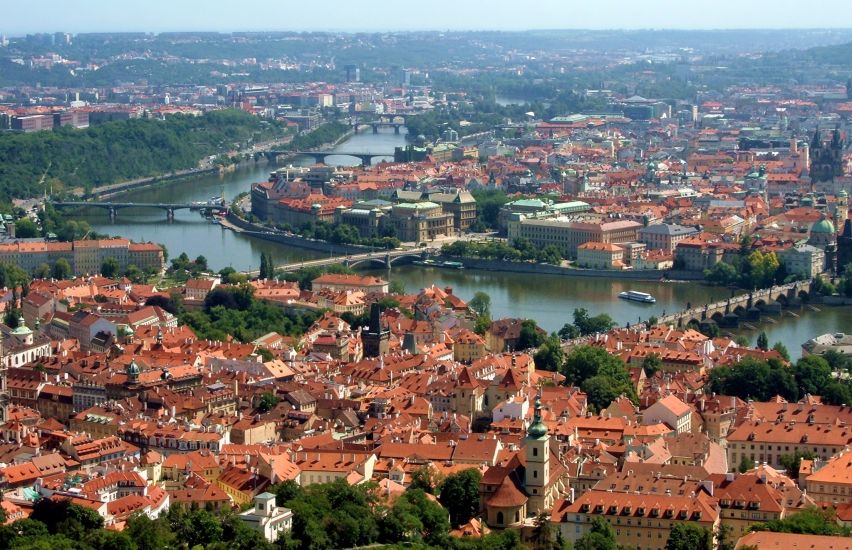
(549, 299)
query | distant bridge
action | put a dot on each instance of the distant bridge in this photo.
(388, 120)
(114, 207)
(380, 258)
(320, 156)
(744, 307)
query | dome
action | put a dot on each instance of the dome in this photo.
(537, 429)
(807, 201)
(842, 194)
(133, 369)
(823, 226)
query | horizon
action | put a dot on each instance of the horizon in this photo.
(372, 16)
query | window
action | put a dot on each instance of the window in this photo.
(500, 518)
(535, 451)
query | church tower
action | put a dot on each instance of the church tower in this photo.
(537, 452)
(376, 339)
(841, 213)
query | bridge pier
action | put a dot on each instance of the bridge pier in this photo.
(170, 214)
(112, 213)
(375, 128)
(396, 129)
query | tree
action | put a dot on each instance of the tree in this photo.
(601, 536)
(810, 521)
(60, 514)
(569, 332)
(26, 229)
(584, 362)
(746, 464)
(550, 356)
(812, 373)
(480, 304)
(426, 478)
(591, 325)
(267, 402)
(792, 462)
(721, 274)
(752, 378)
(542, 536)
(42, 272)
(460, 495)
(62, 269)
(201, 263)
(396, 287)
(149, 534)
(110, 268)
(531, 336)
(762, 341)
(651, 364)
(689, 536)
(782, 349)
(285, 491)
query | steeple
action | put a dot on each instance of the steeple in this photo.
(537, 429)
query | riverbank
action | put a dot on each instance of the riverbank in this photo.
(548, 269)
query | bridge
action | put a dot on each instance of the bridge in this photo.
(383, 258)
(320, 156)
(170, 208)
(744, 307)
(389, 120)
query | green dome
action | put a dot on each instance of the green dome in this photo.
(537, 429)
(823, 226)
(133, 369)
(807, 201)
(842, 193)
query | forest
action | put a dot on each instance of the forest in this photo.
(64, 159)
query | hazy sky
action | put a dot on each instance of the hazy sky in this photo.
(356, 15)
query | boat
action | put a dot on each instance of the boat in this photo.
(452, 265)
(425, 263)
(636, 296)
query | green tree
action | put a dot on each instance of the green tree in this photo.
(480, 304)
(721, 274)
(550, 356)
(396, 287)
(601, 536)
(26, 229)
(591, 325)
(425, 478)
(812, 373)
(62, 269)
(42, 272)
(837, 393)
(651, 364)
(746, 464)
(110, 268)
(584, 362)
(782, 349)
(56, 514)
(810, 521)
(149, 534)
(689, 536)
(531, 336)
(762, 341)
(460, 495)
(267, 402)
(792, 462)
(285, 491)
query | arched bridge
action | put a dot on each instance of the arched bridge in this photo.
(742, 307)
(383, 258)
(320, 156)
(170, 208)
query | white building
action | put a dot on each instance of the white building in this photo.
(267, 517)
(670, 411)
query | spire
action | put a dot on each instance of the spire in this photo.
(537, 429)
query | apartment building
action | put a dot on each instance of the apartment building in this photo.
(567, 236)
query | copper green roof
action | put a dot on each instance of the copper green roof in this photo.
(823, 226)
(537, 429)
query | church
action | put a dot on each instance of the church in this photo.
(528, 483)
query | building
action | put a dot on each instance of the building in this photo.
(640, 520)
(672, 412)
(768, 441)
(664, 236)
(831, 484)
(420, 221)
(804, 259)
(376, 339)
(267, 517)
(600, 256)
(826, 157)
(567, 236)
(84, 257)
(342, 283)
(793, 541)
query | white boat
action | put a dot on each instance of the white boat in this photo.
(637, 297)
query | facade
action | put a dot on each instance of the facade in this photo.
(831, 484)
(665, 236)
(804, 259)
(769, 441)
(267, 517)
(342, 283)
(670, 411)
(568, 236)
(85, 257)
(420, 221)
(600, 256)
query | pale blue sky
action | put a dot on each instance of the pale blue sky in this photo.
(357, 15)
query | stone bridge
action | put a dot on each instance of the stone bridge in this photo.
(379, 258)
(749, 306)
(114, 207)
(320, 156)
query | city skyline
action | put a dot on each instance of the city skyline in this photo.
(381, 15)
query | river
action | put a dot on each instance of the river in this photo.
(549, 299)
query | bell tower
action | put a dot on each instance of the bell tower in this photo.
(537, 453)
